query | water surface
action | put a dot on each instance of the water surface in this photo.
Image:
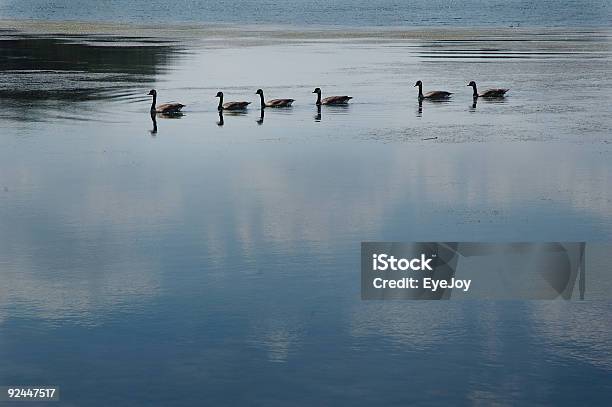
(355, 13)
(201, 263)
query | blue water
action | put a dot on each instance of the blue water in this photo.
(202, 264)
(466, 13)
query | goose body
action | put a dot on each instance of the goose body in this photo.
(235, 105)
(273, 102)
(433, 95)
(331, 100)
(164, 108)
(489, 93)
(169, 108)
(279, 103)
(231, 105)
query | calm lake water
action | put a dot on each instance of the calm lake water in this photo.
(209, 264)
(354, 13)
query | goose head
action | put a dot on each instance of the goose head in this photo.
(475, 94)
(259, 92)
(418, 83)
(219, 95)
(152, 92)
(317, 90)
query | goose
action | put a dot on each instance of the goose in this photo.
(166, 108)
(331, 100)
(489, 93)
(231, 105)
(273, 102)
(433, 95)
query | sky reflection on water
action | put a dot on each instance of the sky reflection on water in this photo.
(138, 267)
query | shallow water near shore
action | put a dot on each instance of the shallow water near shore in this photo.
(200, 259)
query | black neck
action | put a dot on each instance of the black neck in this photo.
(318, 98)
(261, 97)
(420, 91)
(220, 102)
(154, 102)
(475, 91)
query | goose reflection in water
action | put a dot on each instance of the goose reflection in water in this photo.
(333, 109)
(224, 112)
(438, 102)
(494, 100)
(155, 116)
(153, 131)
(489, 100)
(473, 105)
(261, 117)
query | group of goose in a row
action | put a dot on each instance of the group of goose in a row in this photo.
(173, 108)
